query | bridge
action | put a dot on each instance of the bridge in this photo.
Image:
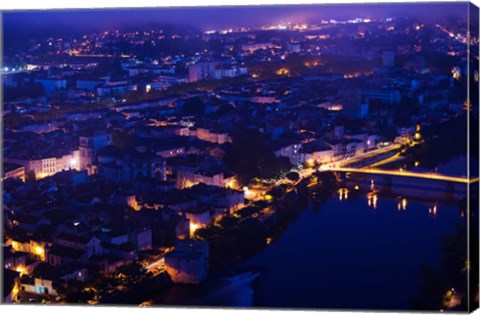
(406, 183)
(430, 176)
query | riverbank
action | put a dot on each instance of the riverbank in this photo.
(238, 237)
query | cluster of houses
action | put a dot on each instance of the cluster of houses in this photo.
(163, 163)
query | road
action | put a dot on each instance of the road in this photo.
(156, 267)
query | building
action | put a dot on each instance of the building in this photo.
(227, 71)
(391, 97)
(289, 149)
(89, 85)
(90, 143)
(14, 260)
(212, 135)
(91, 244)
(257, 46)
(141, 238)
(201, 71)
(51, 85)
(188, 262)
(58, 255)
(212, 176)
(44, 164)
(38, 286)
(149, 68)
(294, 48)
(315, 152)
(12, 170)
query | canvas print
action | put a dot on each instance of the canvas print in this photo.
(319, 156)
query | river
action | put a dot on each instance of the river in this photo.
(352, 256)
(346, 254)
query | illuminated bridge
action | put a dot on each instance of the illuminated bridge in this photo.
(422, 185)
(430, 176)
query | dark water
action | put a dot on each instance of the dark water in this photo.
(455, 167)
(350, 255)
(346, 254)
(353, 253)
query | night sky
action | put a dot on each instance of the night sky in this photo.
(217, 17)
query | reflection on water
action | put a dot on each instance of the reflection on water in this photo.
(433, 210)
(359, 252)
(234, 291)
(342, 193)
(372, 200)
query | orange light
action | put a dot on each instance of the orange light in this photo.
(38, 250)
(193, 228)
(22, 270)
(15, 245)
(283, 71)
(310, 162)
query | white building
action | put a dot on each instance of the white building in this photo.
(48, 165)
(190, 177)
(188, 263)
(213, 136)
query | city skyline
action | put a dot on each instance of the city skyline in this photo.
(211, 17)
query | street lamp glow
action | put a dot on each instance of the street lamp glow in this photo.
(21, 269)
(38, 250)
(193, 228)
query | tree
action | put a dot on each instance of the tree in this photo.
(249, 156)
(293, 176)
(30, 176)
(453, 271)
(228, 222)
(123, 140)
(406, 109)
(194, 106)
(224, 109)
(277, 192)
(74, 291)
